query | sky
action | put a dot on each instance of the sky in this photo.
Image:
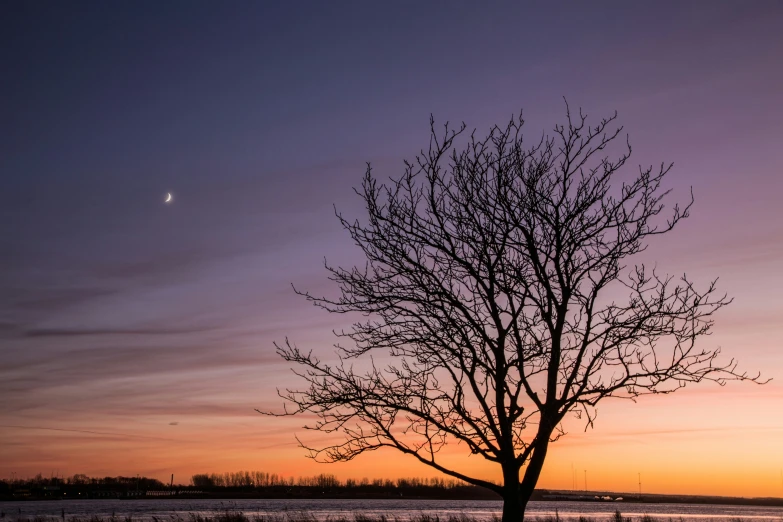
(137, 336)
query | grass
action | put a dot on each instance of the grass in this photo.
(238, 516)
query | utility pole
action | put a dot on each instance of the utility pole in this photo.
(585, 480)
(573, 478)
(640, 485)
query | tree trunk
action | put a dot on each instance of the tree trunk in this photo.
(513, 504)
(513, 508)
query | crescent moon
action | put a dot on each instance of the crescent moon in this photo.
(168, 197)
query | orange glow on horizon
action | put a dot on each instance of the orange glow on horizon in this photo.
(698, 451)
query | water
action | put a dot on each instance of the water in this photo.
(144, 510)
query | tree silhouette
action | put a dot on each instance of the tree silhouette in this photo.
(490, 286)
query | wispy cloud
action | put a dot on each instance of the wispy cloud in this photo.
(52, 299)
(76, 332)
(89, 432)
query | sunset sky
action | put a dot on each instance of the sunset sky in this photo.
(136, 336)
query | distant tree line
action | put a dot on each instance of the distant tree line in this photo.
(236, 479)
(81, 480)
(239, 484)
(260, 479)
(79, 486)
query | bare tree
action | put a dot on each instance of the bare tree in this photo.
(486, 282)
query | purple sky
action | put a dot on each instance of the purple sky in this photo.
(119, 314)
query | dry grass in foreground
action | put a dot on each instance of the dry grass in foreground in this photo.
(237, 516)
